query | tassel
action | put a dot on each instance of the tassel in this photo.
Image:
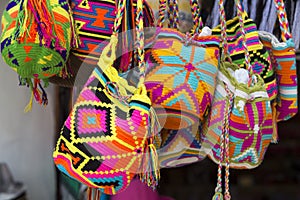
(29, 105)
(275, 128)
(89, 193)
(22, 20)
(150, 174)
(44, 100)
(150, 166)
(155, 126)
(218, 196)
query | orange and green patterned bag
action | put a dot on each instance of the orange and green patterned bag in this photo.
(36, 40)
(284, 60)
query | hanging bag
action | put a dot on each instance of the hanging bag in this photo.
(240, 124)
(108, 136)
(94, 20)
(36, 40)
(180, 78)
(284, 61)
(259, 56)
(181, 146)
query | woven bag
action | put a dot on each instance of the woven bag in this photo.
(180, 78)
(36, 40)
(284, 60)
(240, 126)
(107, 138)
(94, 20)
(259, 56)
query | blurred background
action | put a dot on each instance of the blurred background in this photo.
(27, 141)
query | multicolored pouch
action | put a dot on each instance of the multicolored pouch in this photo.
(107, 138)
(182, 68)
(284, 60)
(36, 39)
(181, 146)
(94, 20)
(180, 78)
(240, 126)
(259, 56)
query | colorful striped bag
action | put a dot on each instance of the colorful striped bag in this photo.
(36, 40)
(94, 20)
(240, 126)
(107, 138)
(284, 60)
(259, 56)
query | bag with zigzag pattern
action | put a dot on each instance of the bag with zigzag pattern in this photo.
(107, 138)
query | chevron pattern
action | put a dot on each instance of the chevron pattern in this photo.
(94, 21)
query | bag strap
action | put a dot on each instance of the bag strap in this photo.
(196, 13)
(108, 55)
(283, 20)
(140, 42)
(171, 6)
(240, 12)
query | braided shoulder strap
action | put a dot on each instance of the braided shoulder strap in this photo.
(283, 20)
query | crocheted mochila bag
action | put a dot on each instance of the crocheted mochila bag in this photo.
(240, 125)
(180, 78)
(94, 20)
(183, 146)
(181, 74)
(284, 60)
(108, 137)
(36, 40)
(259, 56)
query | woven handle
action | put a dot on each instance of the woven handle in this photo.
(283, 21)
(108, 55)
(240, 12)
(196, 13)
(140, 41)
(173, 14)
(224, 43)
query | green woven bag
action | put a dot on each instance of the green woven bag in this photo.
(36, 39)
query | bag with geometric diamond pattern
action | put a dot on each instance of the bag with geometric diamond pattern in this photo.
(108, 137)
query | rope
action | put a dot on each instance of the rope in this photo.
(161, 12)
(283, 21)
(226, 146)
(242, 28)
(140, 41)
